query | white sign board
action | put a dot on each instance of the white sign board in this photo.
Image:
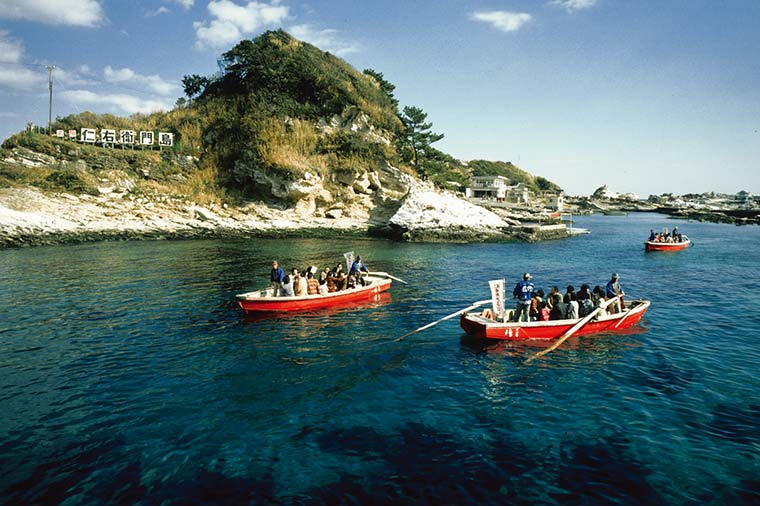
(59, 133)
(146, 138)
(165, 139)
(87, 135)
(107, 136)
(72, 135)
(127, 136)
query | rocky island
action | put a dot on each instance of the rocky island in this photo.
(285, 140)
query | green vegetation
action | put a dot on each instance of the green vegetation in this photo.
(277, 109)
(511, 172)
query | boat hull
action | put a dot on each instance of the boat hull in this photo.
(666, 246)
(262, 301)
(477, 326)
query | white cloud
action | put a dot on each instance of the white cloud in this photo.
(323, 39)
(157, 12)
(54, 12)
(574, 5)
(231, 22)
(186, 4)
(153, 83)
(503, 20)
(13, 74)
(128, 104)
(10, 48)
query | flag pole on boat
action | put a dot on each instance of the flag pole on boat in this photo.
(452, 315)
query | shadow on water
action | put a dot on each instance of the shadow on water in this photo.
(737, 423)
(416, 465)
(603, 473)
(663, 377)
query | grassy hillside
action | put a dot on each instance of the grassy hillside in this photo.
(277, 109)
(511, 172)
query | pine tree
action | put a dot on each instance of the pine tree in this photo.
(418, 135)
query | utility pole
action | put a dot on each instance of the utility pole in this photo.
(50, 109)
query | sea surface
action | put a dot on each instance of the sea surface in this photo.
(129, 376)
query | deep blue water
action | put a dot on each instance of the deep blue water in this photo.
(129, 376)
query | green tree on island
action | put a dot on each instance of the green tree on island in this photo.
(417, 135)
(194, 85)
(386, 86)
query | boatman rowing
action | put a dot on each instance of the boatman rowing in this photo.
(523, 292)
(276, 278)
(358, 266)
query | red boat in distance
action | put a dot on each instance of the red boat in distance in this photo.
(666, 246)
(477, 325)
(262, 301)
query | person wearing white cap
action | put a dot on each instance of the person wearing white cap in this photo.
(523, 292)
(613, 290)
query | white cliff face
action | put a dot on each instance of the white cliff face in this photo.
(426, 210)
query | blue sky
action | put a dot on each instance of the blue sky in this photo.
(646, 96)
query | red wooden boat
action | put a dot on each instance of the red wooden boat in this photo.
(475, 324)
(666, 246)
(263, 301)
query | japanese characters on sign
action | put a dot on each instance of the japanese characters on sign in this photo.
(127, 136)
(107, 136)
(146, 138)
(59, 133)
(87, 135)
(165, 139)
(123, 137)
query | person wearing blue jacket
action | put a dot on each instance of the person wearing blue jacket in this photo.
(523, 292)
(276, 278)
(613, 290)
(358, 266)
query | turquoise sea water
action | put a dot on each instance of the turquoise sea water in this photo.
(129, 376)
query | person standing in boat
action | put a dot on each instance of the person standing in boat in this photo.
(652, 235)
(613, 290)
(357, 268)
(523, 292)
(275, 278)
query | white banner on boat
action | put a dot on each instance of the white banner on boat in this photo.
(349, 260)
(497, 297)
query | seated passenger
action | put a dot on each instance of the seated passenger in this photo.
(300, 286)
(535, 304)
(652, 235)
(544, 313)
(585, 306)
(571, 312)
(287, 286)
(559, 308)
(312, 285)
(324, 275)
(339, 276)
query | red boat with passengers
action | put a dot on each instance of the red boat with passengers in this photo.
(478, 325)
(666, 246)
(264, 301)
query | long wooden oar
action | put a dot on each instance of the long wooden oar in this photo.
(386, 275)
(630, 310)
(452, 315)
(575, 328)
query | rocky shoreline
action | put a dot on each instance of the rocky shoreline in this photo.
(29, 217)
